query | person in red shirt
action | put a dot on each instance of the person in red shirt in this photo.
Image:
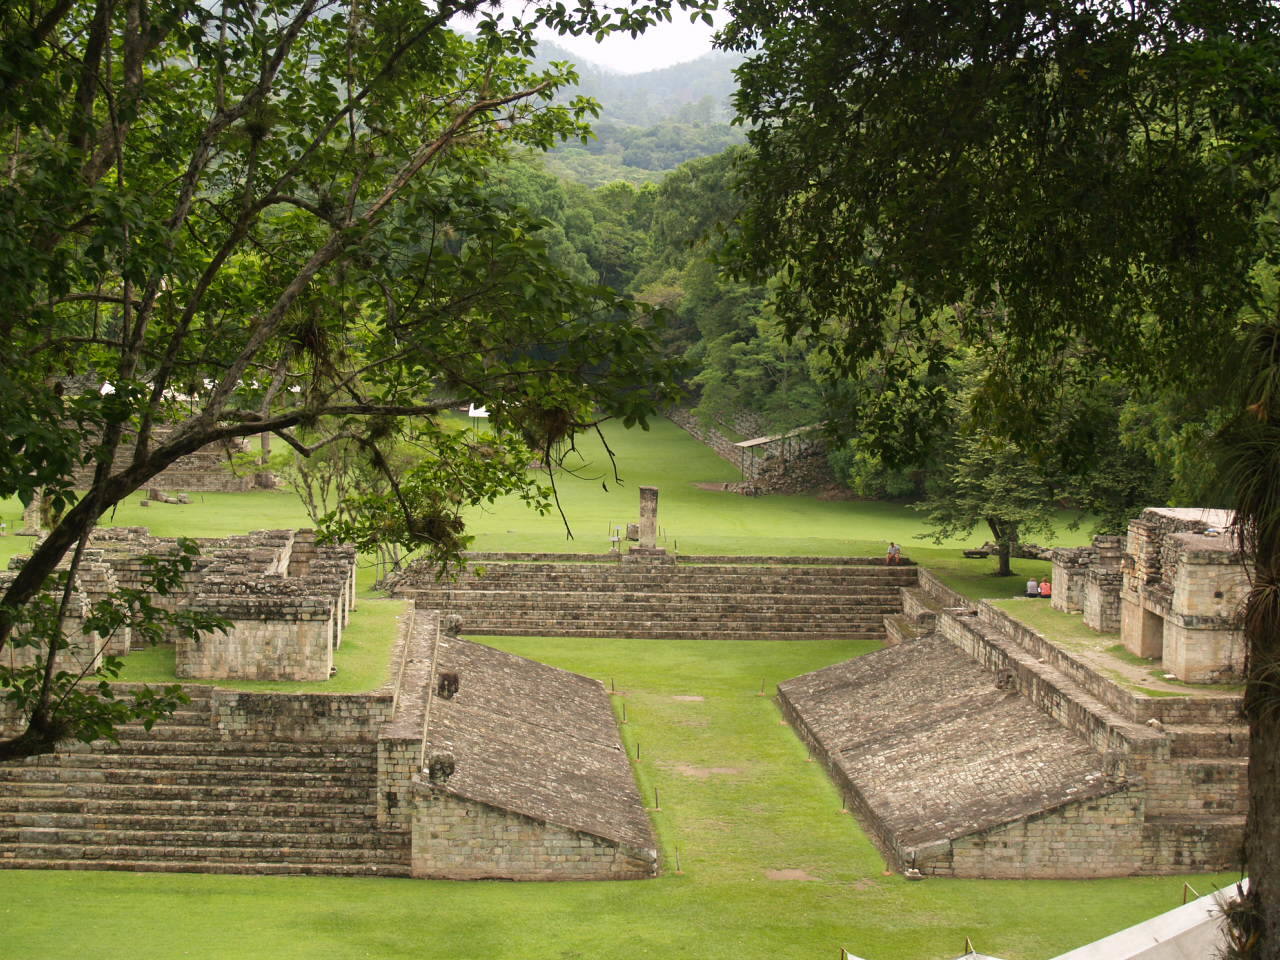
(1046, 588)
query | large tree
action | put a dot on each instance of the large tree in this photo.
(229, 218)
(1057, 176)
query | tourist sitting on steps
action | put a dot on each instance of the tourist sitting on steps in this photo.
(895, 553)
(1033, 588)
(1046, 588)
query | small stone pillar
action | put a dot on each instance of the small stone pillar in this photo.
(648, 546)
(31, 518)
(648, 517)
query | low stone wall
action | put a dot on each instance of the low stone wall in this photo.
(458, 839)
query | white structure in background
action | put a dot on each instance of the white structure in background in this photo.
(476, 414)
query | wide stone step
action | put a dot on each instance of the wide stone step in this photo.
(55, 852)
(1201, 787)
(1208, 741)
(680, 587)
(372, 868)
(321, 842)
(237, 821)
(712, 605)
(258, 748)
(656, 613)
(344, 799)
(149, 806)
(197, 777)
(649, 631)
(228, 763)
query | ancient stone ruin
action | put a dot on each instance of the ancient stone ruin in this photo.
(211, 469)
(1174, 590)
(469, 763)
(287, 598)
(976, 747)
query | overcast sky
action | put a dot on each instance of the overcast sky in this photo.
(659, 46)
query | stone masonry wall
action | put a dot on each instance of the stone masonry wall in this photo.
(1100, 599)
(804, 468)
(458, 839)
(332, 717)
(287, 635)
(1098, 837)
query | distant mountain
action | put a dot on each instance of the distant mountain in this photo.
(694, 92)
(650, 122)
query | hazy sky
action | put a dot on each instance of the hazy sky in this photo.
(658, 47)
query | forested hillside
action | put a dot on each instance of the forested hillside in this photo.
(649, 122)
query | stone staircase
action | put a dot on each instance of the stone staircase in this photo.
(182, 799)
(762, 598)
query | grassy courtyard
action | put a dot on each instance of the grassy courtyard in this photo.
(770, 866)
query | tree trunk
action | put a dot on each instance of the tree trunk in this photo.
(1261, 916)
(1005, 536)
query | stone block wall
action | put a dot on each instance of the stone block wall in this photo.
(1098, 837)
(459, 839)
(1184, 587)
(279, 631)
(1100, 599)
(83, 648)
(1069, 566)
(329, 717)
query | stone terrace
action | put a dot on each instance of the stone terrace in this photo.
(528, 780)
(717, 598)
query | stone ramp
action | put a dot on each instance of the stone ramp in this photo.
(930, 750)
(535, 781)
(555, 757)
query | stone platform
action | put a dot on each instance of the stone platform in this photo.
(540, 786)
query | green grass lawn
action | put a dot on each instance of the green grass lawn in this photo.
(737, 798)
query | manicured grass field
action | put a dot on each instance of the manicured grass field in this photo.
(738, 801)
